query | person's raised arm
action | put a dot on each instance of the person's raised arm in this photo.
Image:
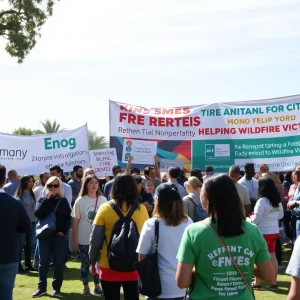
(156, 168)
(128, 167)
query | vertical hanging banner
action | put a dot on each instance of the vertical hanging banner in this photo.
(103, 160)
(217, 135)
(36, 154)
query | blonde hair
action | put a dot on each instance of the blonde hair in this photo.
(88, 171)
(50, 180)
(194, 182)
(274, 177)
(164, 176)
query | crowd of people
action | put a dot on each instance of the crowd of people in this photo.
(216, 235)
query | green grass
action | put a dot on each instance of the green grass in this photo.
(72, 287)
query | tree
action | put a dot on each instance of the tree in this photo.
(20, 24)
(96, 142)
(23, 131)
(49, 127)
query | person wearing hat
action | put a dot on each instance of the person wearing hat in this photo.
(145, 198)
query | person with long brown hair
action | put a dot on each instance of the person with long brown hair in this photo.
(27, 241)
(172, 220)
(124, 203)
(84, 212)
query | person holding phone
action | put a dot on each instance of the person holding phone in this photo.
(84, 212)
(55, 244)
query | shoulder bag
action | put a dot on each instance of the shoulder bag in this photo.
(46, 227)
(147, 268)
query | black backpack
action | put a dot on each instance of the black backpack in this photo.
(121, 250)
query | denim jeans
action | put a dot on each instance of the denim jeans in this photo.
(56, 246)
(8, 274)
(36, 260)
(27, 242)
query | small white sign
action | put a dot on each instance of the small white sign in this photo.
(143, 152)
(103, 160)
(165, 164)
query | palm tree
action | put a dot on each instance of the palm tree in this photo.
(49, 127)
(96, 142)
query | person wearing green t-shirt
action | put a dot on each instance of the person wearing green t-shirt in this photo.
(202, 258)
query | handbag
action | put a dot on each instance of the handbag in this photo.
(149, 284)
(46, 227)
(232, 259)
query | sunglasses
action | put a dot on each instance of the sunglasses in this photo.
(52, 186)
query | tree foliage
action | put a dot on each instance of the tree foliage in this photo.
(23, 131)
(50, 127)
(21, 22)
(96, 142)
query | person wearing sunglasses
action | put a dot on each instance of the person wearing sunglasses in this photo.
(54, 244)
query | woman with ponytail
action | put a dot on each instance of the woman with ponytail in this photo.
(169, 212)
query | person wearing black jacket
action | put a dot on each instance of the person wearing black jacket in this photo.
(54, 244)
(13, 220)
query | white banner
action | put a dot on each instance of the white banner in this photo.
(103, 160)
(143, 152)
(165, 164)
(36, 154)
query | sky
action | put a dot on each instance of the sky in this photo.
(150, 53)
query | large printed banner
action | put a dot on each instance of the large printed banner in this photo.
(36, 154)
(218, 135)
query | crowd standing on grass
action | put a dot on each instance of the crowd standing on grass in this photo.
(196, 235)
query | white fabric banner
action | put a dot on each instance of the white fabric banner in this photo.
(36, 154)
(103, 160)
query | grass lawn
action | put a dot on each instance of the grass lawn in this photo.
(72, 286)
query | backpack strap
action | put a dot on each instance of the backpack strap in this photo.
(132, 210)
(118, 211)
(192, 200)
(156, 233)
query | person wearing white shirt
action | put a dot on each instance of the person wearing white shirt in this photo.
(172, 223)
(250, 183)
(42, 181)
(267, 212)
(84, 211)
